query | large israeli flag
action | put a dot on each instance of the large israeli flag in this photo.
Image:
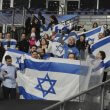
(91, 35)
(53, 79)
(103, 45)
(56, 78)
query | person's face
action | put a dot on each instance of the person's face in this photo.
(95, 25)
(23, 36)
(36, 21)
(71, 41)
(106, 26)
(8, 36)
(35, 55)
(51, 19)
(71, 57)
(9, 61)
(100, 36)
(98, 56)
(41, 52)
(33, 48)
(46, 36)
(33, 30)
(43, 42)
(82, 38)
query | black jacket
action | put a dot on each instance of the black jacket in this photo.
(23, 46)
(81, 45)
(2, 52)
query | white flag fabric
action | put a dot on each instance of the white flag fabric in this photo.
(103, 45)
(53, 79)
(55, 48)
(58, 27)
(16, 56)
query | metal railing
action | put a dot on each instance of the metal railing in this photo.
(82, 12)
(86, 92)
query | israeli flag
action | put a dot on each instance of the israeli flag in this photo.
(16, 56)
(52, 79)
(59, 37)
(49, 32)
(93, 34)
(59, 27)
(103, 45)
(56, 49)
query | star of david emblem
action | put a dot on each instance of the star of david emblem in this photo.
(46, 91)
(59, 48)
(18, 60)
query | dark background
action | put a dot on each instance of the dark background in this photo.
(85, 4)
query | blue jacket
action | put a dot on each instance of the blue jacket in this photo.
(71, 49)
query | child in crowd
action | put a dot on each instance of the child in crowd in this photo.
(32, 40)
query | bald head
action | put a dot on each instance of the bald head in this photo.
(71, 41)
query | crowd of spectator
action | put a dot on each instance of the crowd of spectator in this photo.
(33, 43)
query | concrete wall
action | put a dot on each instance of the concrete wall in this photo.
(88, 20)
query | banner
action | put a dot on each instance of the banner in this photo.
(53, 79)
(56, 48)
(93, 34)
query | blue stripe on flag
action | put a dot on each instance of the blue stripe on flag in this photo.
(107, 64)
(97, 30)
(100, 44)
(52, 67)
(28, 96)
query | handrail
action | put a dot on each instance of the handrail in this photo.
(30, 12)
(77, 95)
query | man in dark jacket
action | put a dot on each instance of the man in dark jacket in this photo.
(23, 45)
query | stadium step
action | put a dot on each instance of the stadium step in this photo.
(25, 105)
(35, 105)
